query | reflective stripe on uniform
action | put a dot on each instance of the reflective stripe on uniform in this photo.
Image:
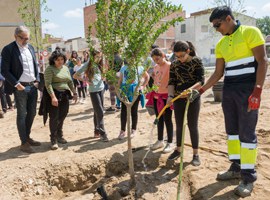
(247, 166)
(240, 62)
(237, 72)
(240, 67)
(248, 155)
(233, 147)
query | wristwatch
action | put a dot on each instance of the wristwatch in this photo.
(171, 96)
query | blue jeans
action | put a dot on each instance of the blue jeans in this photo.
(26, 103)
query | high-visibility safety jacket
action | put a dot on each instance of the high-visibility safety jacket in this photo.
(236, 50)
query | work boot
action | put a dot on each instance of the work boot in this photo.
(244, 189)
(61, 140)
(26, 147)
(33, 142)
(228, 175)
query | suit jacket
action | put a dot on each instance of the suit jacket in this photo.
(12, 67)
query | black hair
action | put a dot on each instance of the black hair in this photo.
(55, 55)
(154, 46)
(183, 46)
(221, 12)
(73, 53)
(156, 52)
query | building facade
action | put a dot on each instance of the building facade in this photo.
(198, 30)
(9, 20)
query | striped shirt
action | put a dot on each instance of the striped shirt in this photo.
(58, 79)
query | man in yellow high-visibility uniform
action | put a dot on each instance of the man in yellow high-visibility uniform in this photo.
(241, 58)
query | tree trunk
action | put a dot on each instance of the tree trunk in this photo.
(130, 154)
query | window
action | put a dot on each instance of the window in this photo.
(183, 28)
(204, 28)
(212, 51)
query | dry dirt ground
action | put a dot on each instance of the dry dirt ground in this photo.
(77, 169)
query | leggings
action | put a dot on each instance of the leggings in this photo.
(192, 118)
(134, 115)
(167, 119)
(81, 89)
(97, 99)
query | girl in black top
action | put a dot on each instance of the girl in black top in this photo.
(186, 72)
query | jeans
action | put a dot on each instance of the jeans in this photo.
(26, 102)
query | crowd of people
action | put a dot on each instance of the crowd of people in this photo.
(66, 80)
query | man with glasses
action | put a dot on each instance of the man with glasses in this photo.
(241, 58)
(20, 69)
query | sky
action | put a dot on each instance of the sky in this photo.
(66, 16)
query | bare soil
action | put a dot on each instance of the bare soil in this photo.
(78, 168)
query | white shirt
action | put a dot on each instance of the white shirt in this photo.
(28, 74)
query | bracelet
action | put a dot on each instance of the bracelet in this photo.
(171, 96)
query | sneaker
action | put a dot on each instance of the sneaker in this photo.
(61, 140)
(110, 110)
(81, 101)
(174, 155)
(133, 132)
(168, 148)
(157, 145)
(122, 135)
(244, 189)
(26, 147)
(196, 160)
(227, 175)
(104, 138)
(54, 145)
(33, 142)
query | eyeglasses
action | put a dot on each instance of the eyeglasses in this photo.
(22, 38)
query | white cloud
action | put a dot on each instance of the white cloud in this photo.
(266, 7)
(49, 26)
(76, 13)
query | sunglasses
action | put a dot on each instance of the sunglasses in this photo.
(22, 38)
(218, 24)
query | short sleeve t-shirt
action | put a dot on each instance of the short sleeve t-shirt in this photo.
(127, 74)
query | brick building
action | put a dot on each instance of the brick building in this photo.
(164, 41)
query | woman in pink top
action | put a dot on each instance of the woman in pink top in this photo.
(161, 78)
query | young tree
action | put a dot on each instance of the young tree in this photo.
(30, 11)
(264, 25)
(132, 26)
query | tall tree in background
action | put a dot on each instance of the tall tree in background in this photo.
(132, 26)
(30, 12)
(237, 6)
(264, 25)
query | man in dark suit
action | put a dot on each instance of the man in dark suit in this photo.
(20, 69)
